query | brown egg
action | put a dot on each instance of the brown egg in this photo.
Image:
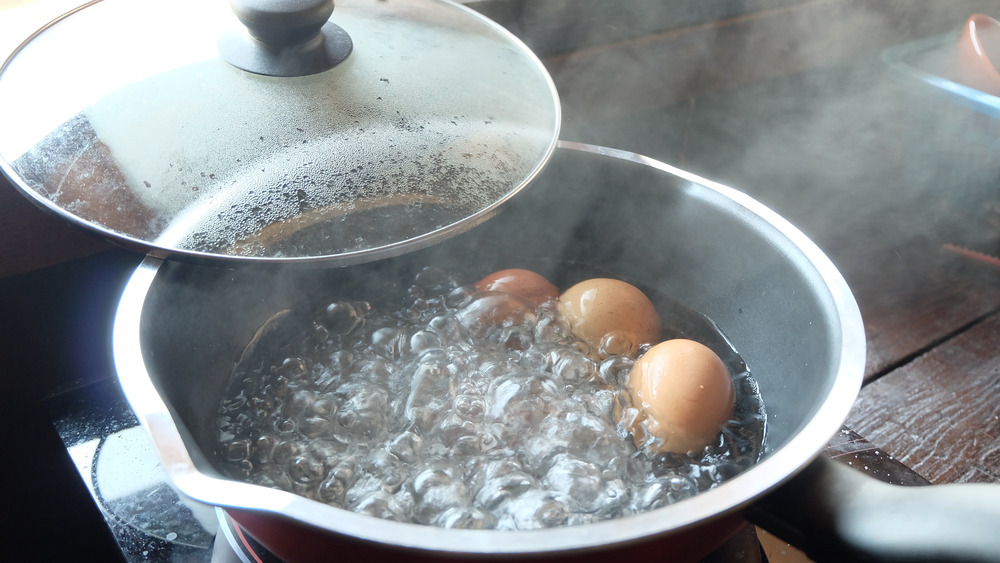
(684, 393)
(527, 285)
(612, 316)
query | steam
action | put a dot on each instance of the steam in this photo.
(788, 101)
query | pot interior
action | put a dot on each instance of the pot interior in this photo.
(779, 301)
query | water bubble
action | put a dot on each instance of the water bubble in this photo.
(285, 426)
(429, 394)
(415, 293)
(340, 362)
(515, 339)
(470, 445)
(242, 469)
(320, 334)
(381, 504)
(533, 510)
(618, 343)
(377, 370)
(615, 370)
(520, 403)
(503, 483)
(578, 480)
(468, 518)
(424, 339)
(601, 403)
(314, 427)
(390, 343)
(306, 470)
(459, 297)
(363, 413)
(704, 476)
(666, 490)
(418, 307)
(263, 446)
(616, 498)
(408, 447)
(324, 407)
(342, 317)
(332, 490)
(495, 309)
(470, 405)
(284, 451)
(279, 386)
(452, 426)
(236, 450)
(261, 407)
(299, 402)
(433, 279)
(235, 404)
(436, 489)
(292, 368)
(549, 328)
(573, 366)
(448, 329)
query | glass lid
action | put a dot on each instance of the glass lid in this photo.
(269, 130)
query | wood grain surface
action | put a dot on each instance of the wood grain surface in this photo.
(920, 296)
(31, 239)
(940, 414)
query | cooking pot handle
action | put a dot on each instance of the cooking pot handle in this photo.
(836, 513)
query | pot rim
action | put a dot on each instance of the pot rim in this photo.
(732, 495)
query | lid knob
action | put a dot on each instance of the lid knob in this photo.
(285, 37)
(278, 23)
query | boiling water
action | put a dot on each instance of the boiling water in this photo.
(414, 410)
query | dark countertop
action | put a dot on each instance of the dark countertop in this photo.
(882, 175)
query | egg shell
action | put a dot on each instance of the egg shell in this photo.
(685, 394)
(599, 307)
(528, 285)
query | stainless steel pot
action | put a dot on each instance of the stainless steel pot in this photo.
(181, 328)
